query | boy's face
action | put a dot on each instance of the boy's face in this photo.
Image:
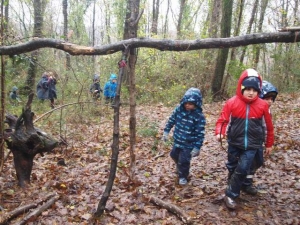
(114, 80)
(269, 100)
(189, 106)
(250, 93)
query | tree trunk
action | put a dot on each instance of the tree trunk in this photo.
(180, 17)
(65, 15)
(264, 4)
(166, 21)
(115, 144)
(155, 14)
(25, 141)
(223, 53)
(254, 11)
(37, 32)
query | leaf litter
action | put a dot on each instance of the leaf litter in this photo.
(82, 181)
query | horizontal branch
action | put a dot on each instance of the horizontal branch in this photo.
(160, 44)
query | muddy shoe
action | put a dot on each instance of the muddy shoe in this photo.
(251, 190)
(182, 181)
(230, 203)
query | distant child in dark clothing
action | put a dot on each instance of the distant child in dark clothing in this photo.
(46, 88)
(110, 89)
(244, 114)
(95, 88)
(268, 93)
(189, 122)
(13, 95)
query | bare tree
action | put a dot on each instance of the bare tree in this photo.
(264, 4)
(180, 17)
(39, 6)
(223, 53)
(251, 21)
(166, 21)
(65, 15)
(155, 14)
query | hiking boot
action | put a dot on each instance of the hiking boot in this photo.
(250, 189)
(230, 203)
(182, 181)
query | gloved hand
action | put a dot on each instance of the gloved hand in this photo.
(165, 137)
(195, 152)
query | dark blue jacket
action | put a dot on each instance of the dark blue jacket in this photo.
(189, 125)
(45, 88)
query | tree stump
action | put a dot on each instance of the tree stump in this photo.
(25, 141)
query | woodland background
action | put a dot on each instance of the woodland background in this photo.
(162, 77)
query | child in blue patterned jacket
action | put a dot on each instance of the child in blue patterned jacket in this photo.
(189, 122)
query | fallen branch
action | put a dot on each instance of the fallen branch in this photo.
(172, 208)
(159, 155)
(22, 209)
(34, 214)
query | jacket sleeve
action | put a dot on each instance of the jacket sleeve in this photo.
(270, 128)
(171, 121)
(223, 120)
(200, 132)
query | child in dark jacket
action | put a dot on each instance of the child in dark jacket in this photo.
(14, 96)
(244, 114)
(95, 88)
(46, 88)
(189, 122)
(268, 93)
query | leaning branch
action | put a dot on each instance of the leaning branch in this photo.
(160, 44)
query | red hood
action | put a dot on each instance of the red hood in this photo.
(247, 73)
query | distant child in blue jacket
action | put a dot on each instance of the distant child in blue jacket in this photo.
(189, 122)
(110, 89)
(14, 96)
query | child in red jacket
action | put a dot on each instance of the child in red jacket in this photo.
(244, 115)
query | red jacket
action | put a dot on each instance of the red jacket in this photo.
(245, 119)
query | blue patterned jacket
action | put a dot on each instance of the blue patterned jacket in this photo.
(189, 129)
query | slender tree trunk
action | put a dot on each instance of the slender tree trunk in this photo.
(37, 32)
(223, 53)
(232, 57)
(2, 84)
(180, 17)
(155, 14)
(166, 21)
(254, 11)
(65, 15)
(264, 4)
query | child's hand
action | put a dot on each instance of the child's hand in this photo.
(195, 152)
(219, 137)
(268, 151)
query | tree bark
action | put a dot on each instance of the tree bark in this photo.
(223, 53)
(115, 144)
(163, 44)
(65, 15)
(155, 14)
(37, 32)
(180, 17)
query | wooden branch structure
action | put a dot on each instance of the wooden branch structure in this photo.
(6, 217)
(160, 44)
(171, 208)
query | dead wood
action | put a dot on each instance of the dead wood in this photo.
(32, 216)
(25, 141)
(160, 44)
(172, 208)
(22, 209)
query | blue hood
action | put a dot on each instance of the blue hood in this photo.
(113, 76)
(192, 95)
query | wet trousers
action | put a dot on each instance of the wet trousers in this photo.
(182, 158)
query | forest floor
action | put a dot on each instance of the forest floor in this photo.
(82, 181)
